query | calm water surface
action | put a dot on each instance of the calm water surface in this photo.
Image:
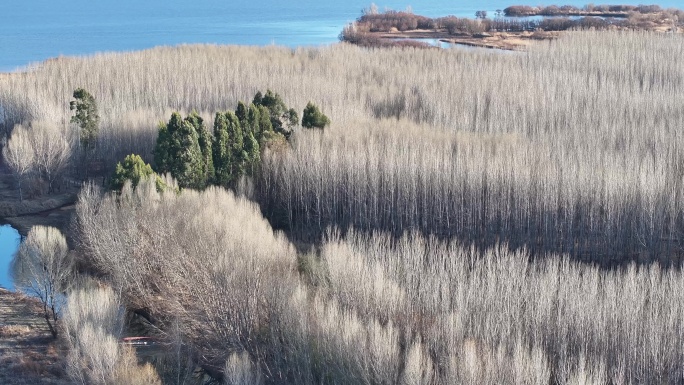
(9, 242)
(35, 30)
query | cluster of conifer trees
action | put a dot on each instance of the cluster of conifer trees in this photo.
(197, 158)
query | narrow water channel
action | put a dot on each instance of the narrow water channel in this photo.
(9, 243)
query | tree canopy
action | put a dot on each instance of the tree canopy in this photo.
(43, 269)
(135, 169)
(283, 120)
(86, 117)
(313, 117)
(197, 158)
(178, 151)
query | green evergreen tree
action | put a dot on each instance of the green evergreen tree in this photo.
(221, 150)
(167, 146)
(278, 112)
(205, 143)
(252, 151)
(257, 98)
(134, 169)
(178, 152)
(265, 124)
(274, 103)
(189, 170)
(236, 145)
(86, 117)
(292, 118)
(241, 113)
(253, 119)
(313, 117)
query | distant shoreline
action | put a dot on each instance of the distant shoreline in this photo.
(515, 31)
(508, 41)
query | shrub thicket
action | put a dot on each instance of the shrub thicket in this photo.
(372, 308)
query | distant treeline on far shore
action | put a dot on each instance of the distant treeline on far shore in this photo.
(556, 18)
(588, 10)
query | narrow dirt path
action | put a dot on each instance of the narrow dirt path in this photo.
(28, 353)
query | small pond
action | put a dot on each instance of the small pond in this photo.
(9, 243)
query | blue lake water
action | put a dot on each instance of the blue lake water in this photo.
(35, 30)
(9, 242)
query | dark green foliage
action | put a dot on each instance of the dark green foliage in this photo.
(252, 152)
(274, 103)
(235, 150)
(163, 159)
(187, 150)
(178, 151)
(313, 117)
(265, 124)
(189, 170)
(257, 98)
(253, 118)
(86, 117)
(205, 143)
(134, 169)
(221, 151)
(238, 156)
(292, 118)
(282, 119)
(241, 113)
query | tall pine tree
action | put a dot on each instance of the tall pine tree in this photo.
(252, 152)
(166, 148)
(264, 121)
(221, 150)
(205, 143)
(238, 156)
(253, 118)
(189, 170)
(241, 113)
(178, 152)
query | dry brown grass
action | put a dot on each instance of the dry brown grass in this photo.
(28, 355)
(13, 331)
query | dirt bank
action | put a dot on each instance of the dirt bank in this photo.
(28, 353)
(47, 210)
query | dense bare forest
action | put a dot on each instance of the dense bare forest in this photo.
(467, 217)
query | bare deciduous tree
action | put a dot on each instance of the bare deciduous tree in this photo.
(41, 148)
(385, 310)
(20, 155)
(43, 268)
(53, 148)
(93, 324)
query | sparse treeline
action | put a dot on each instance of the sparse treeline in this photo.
(556, 19)
(616, 10)
(373, 309)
